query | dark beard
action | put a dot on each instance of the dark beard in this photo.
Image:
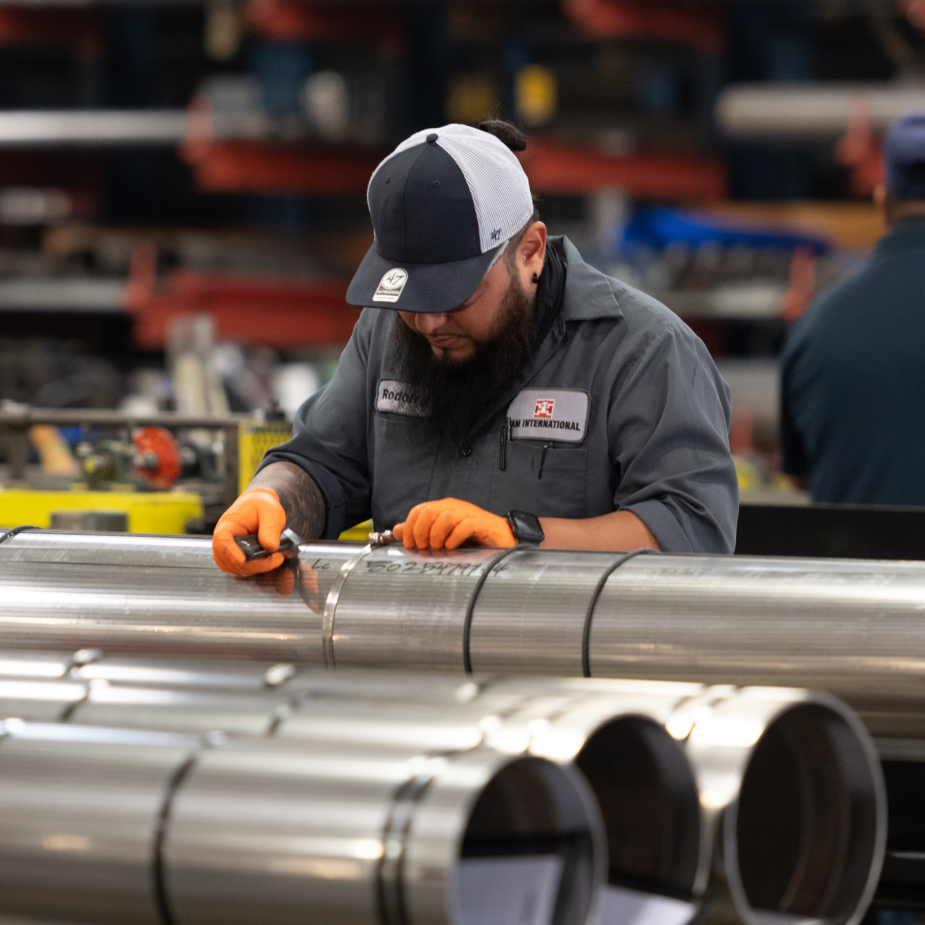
(459, 392)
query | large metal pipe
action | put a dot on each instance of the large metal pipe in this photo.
(439, 824)
(148, 594)
(614, 731)
(79, 819)
(794, 799)
(812, 112)
(852, 628)
(102, 826)
(783, 776)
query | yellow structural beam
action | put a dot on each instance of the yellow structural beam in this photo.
(148, 512)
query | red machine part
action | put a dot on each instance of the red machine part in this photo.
(157, 456)
(78, 30)
(294, 21)
(253, 167)
(275, 313)
(686, 24)
(554, 169)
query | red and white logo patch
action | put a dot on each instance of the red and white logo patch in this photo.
(544, 408)
(560, 415)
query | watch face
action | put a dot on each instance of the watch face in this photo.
(526, 527)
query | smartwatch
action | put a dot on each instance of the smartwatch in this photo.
(525, 527)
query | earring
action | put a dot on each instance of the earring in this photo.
(536, 279)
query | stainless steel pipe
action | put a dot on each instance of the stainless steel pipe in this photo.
(80, 813)
(812, 112)
(251, 866)
(154, 595)
(786, 815)
(111, 826)
(614, 731)
(852, 628)
(794, 800)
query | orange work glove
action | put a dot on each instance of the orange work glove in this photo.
(256, 511)
(448, 523)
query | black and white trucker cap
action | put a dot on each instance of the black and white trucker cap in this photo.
(442, 203)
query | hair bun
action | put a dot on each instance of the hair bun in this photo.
(506, 132)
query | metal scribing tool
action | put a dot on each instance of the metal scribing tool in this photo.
(289, 543)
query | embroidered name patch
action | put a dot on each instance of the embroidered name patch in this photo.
(391, 286)
(560, 415)
(397, 397)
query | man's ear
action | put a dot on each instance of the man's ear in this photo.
(531, 251)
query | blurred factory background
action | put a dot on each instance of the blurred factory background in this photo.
(182, 202)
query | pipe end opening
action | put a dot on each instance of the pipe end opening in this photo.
(529, 851)
(808, 835)
(648, 799)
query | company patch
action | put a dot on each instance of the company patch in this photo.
(556, 415)
(391, 286)
(396, 397)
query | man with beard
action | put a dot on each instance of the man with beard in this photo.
(496, 388)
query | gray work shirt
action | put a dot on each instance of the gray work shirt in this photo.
(621, 403)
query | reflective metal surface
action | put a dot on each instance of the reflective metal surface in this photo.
(483, 806)
(39, 701)
(794, 800)
(258, 840)
(642, 781)
(178, 673)
(130, 593)
(312, 835)
(529, 616)
(759, 754)
(79, 815)
(852, 628)
(795, 772)
(613, 730)
(102, 825)
(402, 610)
(197, 711)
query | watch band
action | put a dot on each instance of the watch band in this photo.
(526, 527)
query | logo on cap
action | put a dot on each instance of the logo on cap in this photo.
(544, 408)
(391, 286)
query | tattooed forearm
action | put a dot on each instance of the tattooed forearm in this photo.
(299, 495)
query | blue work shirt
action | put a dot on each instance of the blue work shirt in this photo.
(853, 381)
(620, 408)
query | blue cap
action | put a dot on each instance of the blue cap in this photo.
(904, 157)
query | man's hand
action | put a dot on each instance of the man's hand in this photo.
(258, 511)
(448, 523)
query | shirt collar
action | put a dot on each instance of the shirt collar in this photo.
(589, 294)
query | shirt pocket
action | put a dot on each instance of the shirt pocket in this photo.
(562, 490)
(401, 468)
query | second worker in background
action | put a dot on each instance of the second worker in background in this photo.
(853, 368)
(496, 387)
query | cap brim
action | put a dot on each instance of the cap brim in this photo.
(430, 287)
